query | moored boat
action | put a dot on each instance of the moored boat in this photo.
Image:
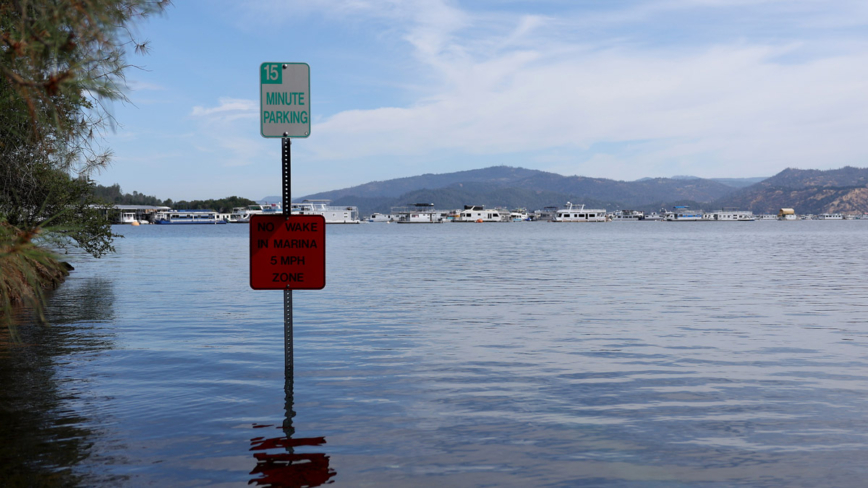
(627, 216)
(578, 213)
(683, 213)
(729, 215)
(478, 213)
(187, 217)
(332, 214)
(241, 215)
(418, 213)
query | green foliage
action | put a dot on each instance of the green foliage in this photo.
(25, 271)
(61, 62)
(223, 205)
(113, 194)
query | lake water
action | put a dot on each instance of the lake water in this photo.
(524, 354)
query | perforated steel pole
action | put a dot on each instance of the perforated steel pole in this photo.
(286, 142)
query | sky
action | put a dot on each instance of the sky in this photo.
(613, 89)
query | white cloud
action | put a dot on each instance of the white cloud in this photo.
(226, 128)
(229, 109)
(514, 83)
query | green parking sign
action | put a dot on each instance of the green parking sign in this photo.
(284, 95)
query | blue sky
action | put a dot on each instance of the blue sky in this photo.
(614, 89)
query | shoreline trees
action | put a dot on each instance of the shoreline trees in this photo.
(61, 63)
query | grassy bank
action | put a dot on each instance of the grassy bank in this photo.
(26, 271)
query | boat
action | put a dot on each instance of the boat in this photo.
(682, 213)
(729, 215)
(418, 213)
(519, 215)
(332, 214)
(767, 217)
(653, 216)
(828, 216)
(627, 216)
(787, 214)
(478, 213)
(578, 213)
(378, 217)
(546, 214)
(241, 215)
(128, 217)
(179, 217)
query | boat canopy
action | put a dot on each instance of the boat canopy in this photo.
(786, 211)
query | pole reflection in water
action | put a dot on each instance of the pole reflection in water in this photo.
(287, 468)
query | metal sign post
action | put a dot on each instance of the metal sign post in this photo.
(291, 249)
(286, 160)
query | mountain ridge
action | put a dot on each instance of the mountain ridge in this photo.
(809, 191)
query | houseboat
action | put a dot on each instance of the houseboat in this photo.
(682, 213)
(177, 217)
(578, 213)
(627, 216)
(332, 214)
(519, 215)
(378, 217)
(418, 213)
(241, 215)
(478, 213)
(830, 216)
(787, 214)
(546, 214)
(729, 215)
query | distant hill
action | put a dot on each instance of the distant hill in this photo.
(630, 193)
(842, 190)
(805, 178)
(519, 187)
(739, 182)
(808, 191)
(500, 175)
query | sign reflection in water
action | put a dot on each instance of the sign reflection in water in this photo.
(282, 467)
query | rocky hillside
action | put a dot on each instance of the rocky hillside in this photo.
(842, 190)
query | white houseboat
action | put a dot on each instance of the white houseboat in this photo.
(830, 216)
(478, 213)
(378, 217)
(332, 214)
(682, 213)
(578, 213)
(729, 215)
(418, 213)
(187, 217)
(519, 215)
(627, 216)
(241, 215)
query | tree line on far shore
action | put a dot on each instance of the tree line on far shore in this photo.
(113, 194)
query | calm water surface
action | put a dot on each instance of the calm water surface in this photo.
(526, 354)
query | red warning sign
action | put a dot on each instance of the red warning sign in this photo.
(287, 252)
